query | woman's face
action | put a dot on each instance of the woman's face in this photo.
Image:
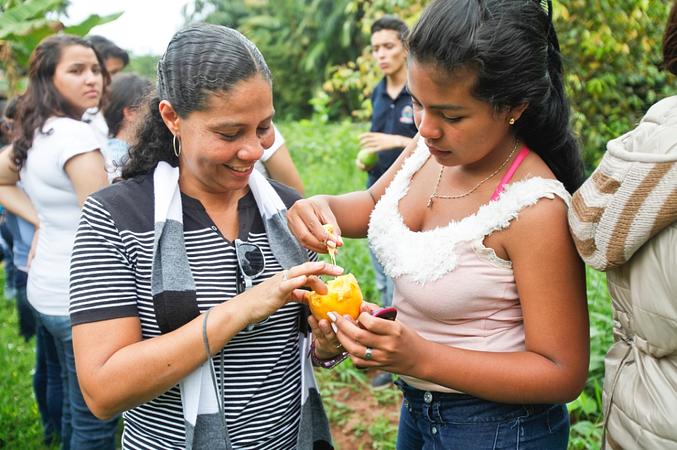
(458, 128)
(78, 77)
(221, 143)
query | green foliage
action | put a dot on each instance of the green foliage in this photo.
(144, 65)
(613, 60)
(20, 426)
(299, 39)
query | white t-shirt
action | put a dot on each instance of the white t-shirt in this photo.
(51, 191)
(269, 152)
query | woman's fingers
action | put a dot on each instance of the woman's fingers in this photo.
(306, 219)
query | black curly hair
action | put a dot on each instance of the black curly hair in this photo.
(200, 60)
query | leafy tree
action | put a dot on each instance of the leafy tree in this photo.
(613, 63)
(300, 39)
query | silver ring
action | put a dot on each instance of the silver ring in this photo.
(368, 353)
(285, 275)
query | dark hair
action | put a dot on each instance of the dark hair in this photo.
(513, 49)
(200, 60)
(8, 108)
(670, 41)
(388, 22)
(107, 49)
(127, 90)
(42, 99)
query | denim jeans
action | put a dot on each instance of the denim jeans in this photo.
(24, 310)
(436, 421)
(47, 383)
(384, 283)
(80, 430)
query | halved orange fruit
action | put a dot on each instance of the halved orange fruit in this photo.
(344, 297)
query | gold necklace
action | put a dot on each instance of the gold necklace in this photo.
(465, 194)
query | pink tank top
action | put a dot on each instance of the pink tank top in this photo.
(449, 287)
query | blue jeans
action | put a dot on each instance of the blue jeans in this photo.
(80, 429)
(384, 283)
(437, 421)
(24, 310)
(47, 383)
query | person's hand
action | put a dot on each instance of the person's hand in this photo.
(267, 297)
(306, 219)
(377, 142)
(392, 346)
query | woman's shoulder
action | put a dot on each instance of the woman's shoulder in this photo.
(63, 125)
(134, 194)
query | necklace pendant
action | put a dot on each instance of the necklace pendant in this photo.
(430, 202)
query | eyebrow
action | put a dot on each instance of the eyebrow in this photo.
(442, 107)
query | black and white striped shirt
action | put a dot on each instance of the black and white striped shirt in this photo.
(110, 278)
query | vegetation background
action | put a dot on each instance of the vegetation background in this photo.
(317, 51)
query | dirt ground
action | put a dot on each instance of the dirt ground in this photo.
(367, 421)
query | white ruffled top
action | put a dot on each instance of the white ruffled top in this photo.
(428, 255)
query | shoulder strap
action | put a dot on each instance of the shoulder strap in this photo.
(510, 172)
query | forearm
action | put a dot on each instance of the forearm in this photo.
(506, 377)
(144, 369)
(17, 202)
(352, 212)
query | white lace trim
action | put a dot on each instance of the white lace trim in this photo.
(489, 255)
(420, 254)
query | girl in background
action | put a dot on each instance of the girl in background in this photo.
(58, 157)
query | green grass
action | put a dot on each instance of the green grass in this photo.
(20, 426)
(324, 155)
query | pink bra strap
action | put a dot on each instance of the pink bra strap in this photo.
(524, 151)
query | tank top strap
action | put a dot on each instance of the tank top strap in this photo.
(524, 151)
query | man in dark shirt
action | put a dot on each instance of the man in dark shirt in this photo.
(392, 121)
(392, 124)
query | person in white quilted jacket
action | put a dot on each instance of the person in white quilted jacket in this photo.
(624, 222)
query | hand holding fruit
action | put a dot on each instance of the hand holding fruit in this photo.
(267, 297)
(366, 159)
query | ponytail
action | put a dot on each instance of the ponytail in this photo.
(545, 125)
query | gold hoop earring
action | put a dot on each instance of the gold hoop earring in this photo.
(511, 121)
(176, 152)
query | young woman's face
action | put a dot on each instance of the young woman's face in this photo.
(388, 51)
(221, 143)
(458, 128)
(78, 77)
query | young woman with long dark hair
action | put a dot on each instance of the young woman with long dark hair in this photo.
(491, 339)
(59, 160)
